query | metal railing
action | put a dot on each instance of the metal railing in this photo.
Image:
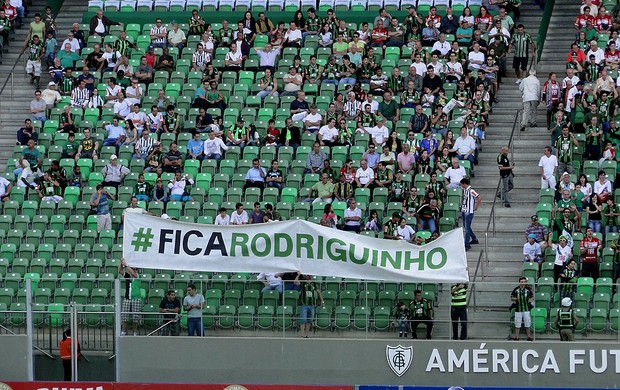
(11, 77)
(359, 318)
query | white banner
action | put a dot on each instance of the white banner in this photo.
(152, 242)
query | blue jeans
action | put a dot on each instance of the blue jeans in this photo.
(611, 229)
(194, 326)
(214, 156)
(402, 325)
(470, 158)
(330, 81)
(595, 225)
(348, 81)
(142, 198)
(307, 314)
(278, 288)
(469, 234)
(428, 224)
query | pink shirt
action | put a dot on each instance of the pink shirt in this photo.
(406, 161)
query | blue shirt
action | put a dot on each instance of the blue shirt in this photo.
(254, 174)
(373, 159)
(428, 144)
(102, 207)
(195, 146)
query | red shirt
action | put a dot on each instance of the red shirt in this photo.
(485, 20)
(602, 22)
(581, 56)
(10, 11)
(150, 59)
(615, 56)
(591, 245)
(381, 31)
(582, 20)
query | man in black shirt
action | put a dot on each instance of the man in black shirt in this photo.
(170, 306)
(289, 279)
(505, 172)
(290, 135)
(299, 107)
(432, 81)
(274, 176)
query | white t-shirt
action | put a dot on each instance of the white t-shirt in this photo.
(455, 175)
(420, 68)
(476, 57)
(405, 233)
(374, 106)
(531, 250)
(4, 184)
(134, 91)
(138, 119)
(364, 176)
(222, 221)
(548, 164)
(313, 118)
(293, 36)
(602, 188)
(122, 108)
(562, 255)
(380, 134)
(239, 219)
(328, 134)
(464, 145)
(348, 213)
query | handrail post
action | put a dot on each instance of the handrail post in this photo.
(12, 83)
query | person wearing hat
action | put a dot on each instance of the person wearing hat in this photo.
(540, 232)
(114, 173)
(51, 95)
(532, 251)
(566, 320)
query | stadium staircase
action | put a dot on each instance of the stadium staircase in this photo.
(16, 97)
(559, 38)
(505, 248)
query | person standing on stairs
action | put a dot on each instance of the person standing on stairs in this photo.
(505, 172)
(530, 91)
(470, 203)
(36, 51)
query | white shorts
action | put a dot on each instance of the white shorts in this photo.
(523, 317)
(33, 67)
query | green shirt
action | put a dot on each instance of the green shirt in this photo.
(35, 50)
(521, 44)
(420, 309)
(564, 145)
(309, 294)
(388, 109)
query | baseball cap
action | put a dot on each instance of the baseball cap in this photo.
(531, 235)
(534, 217)
(113, 157)
(51, 83)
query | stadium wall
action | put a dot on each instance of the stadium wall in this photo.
(13, 352)
(346, 362)
(355, 361)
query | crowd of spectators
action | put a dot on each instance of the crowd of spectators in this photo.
(406, 119)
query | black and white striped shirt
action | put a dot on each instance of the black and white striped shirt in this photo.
(469, 200)
(79, 97)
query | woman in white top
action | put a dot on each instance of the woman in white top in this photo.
(563, 253)
(405, 232)
(467, 16)
(602, 187)
(325, 37)
(586, 188)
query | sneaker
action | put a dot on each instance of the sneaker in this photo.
(507, 205)
(522, 128)
(400, 334)
(123, 333)
(518, 81)
(473, 242)
(135, 333)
